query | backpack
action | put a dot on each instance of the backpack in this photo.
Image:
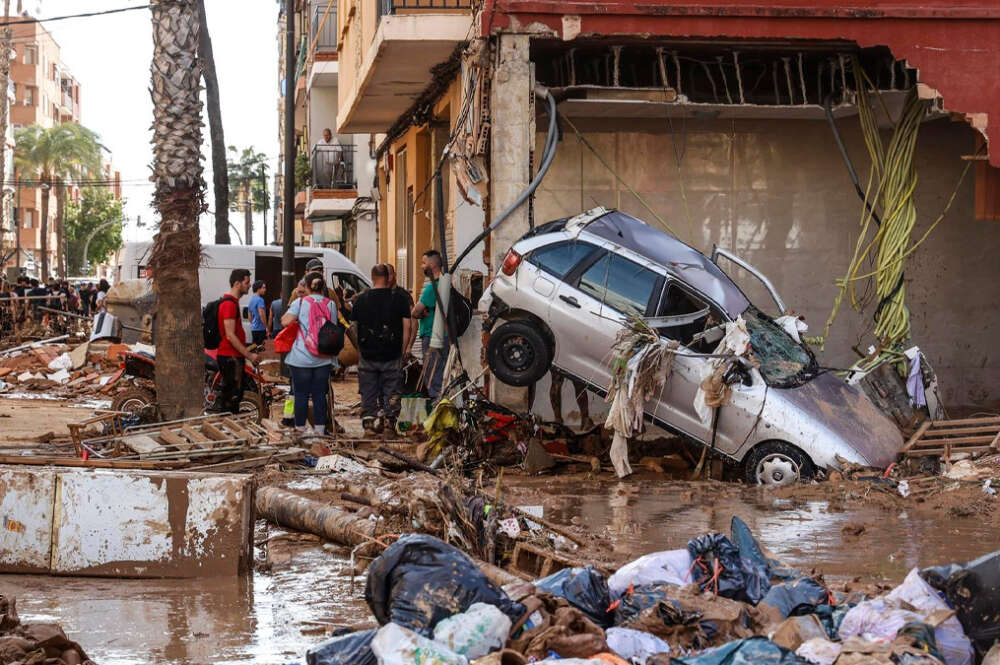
(210, 332)
(326, 336)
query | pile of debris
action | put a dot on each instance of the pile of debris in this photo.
(35, 643)
(59, 369)
(720, 601)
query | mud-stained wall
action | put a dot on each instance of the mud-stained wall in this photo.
(777, 192)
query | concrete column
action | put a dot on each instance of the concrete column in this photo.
(511, 140)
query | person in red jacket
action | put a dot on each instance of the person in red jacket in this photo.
(233, 353)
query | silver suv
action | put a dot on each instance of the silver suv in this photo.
(565, 290)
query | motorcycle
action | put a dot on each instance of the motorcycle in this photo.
(140, 369)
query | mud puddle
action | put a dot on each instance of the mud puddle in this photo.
(273, 617)
(838, 538)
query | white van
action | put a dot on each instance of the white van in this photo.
(263, 261)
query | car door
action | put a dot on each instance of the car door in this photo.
(590, 307)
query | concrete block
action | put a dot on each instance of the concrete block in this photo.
(117, 523)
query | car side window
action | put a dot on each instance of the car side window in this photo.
(677, 301)
(620, 283)
(350, 282)
(560, 258)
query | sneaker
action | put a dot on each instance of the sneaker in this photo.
(288, 422)
(319, 430)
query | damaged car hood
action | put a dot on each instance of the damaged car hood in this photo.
(847, 413)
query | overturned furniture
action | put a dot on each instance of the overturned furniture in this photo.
(945, 438)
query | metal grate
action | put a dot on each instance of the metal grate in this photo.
(386, 7)
(333, 167)
(328, 35)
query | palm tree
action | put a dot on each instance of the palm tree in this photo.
(179, 197)
(220, 177)
(54, 155)
(247, 169)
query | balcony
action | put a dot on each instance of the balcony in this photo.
(379, 81)
(324, 67)
(334, 187)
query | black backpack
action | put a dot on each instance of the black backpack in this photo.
(210, 325)
(330, 338)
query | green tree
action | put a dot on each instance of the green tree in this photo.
(55, 155)
(248, 176)
(97, 212)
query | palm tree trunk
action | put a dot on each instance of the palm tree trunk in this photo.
(45, 228)
(60, 229)
(220, 176)
(179, 199)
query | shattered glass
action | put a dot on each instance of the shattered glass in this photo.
(784, 363)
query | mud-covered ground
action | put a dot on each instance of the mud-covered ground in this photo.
(848, 531)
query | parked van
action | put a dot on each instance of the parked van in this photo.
(264, 262)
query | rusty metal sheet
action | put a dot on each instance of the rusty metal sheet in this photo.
(130, 523)
(26, 501)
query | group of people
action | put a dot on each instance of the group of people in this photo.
(28, 297)
(382, 322)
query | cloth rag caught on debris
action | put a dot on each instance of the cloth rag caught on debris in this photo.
(713, 391)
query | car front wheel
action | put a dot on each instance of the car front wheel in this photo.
(518, 354)
(777, 464)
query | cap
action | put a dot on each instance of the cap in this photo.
(314, 264)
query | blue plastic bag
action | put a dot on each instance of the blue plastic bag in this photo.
(586, 589)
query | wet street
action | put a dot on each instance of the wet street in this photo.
(273, 617)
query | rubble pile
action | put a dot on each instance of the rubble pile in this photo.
(34, 643)
(720, 601)
(88, 369)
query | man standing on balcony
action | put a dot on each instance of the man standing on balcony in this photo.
(329, 160)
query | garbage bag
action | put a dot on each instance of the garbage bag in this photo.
(912, 601)
(796, 598)
(923, 637)
(718, 567)
(637, 599)
(396, 645)
(585, 588)
(475, 632)
(750, 549)
(635, 645)
(973, 590)
(420, 580)
(749, 651)
(567, 633)
(350, 649)
(831, 617)
(670, 567)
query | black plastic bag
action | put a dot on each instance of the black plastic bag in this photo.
(637, 599)
(750, 549)
(350, 649)
(796, 598)
(974, 591)
(751, 651)
(586, 589)
(831, 616)
(420, 580)
(719, 568)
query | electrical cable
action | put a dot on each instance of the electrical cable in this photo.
(548, 154)
(69, 16)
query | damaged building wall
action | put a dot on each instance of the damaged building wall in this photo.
(777, 192)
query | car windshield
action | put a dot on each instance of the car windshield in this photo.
(784, 363)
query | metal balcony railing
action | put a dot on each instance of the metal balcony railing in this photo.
(386, 7)
(328, 36)
(333, 167)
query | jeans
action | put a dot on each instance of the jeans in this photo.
(311, 382)
(258, 336)
(379, 381)
(434, 362)
(231, 385)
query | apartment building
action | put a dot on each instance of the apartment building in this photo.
(44, 93)
(335, 198)
(706, 118)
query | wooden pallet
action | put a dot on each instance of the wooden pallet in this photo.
(948, 437)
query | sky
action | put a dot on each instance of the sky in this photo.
(110, 56)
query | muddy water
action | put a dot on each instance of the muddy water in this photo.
(273, 617)
(648, 515)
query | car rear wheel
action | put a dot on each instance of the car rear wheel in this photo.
(518, 354)
(777, 464)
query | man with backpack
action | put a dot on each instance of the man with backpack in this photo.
(232, 351)
(383, 319)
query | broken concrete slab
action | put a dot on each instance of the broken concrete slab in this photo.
(124, 523)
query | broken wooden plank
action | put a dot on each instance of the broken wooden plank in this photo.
(251, 462)
(916, 435)
(92, 462)
(958, 441)
(214, 433)
(171, 438)
(923, 452)
(193, 435)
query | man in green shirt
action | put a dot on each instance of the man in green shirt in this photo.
(424, 311)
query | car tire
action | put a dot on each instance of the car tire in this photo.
(518, 353)
(777, 464)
